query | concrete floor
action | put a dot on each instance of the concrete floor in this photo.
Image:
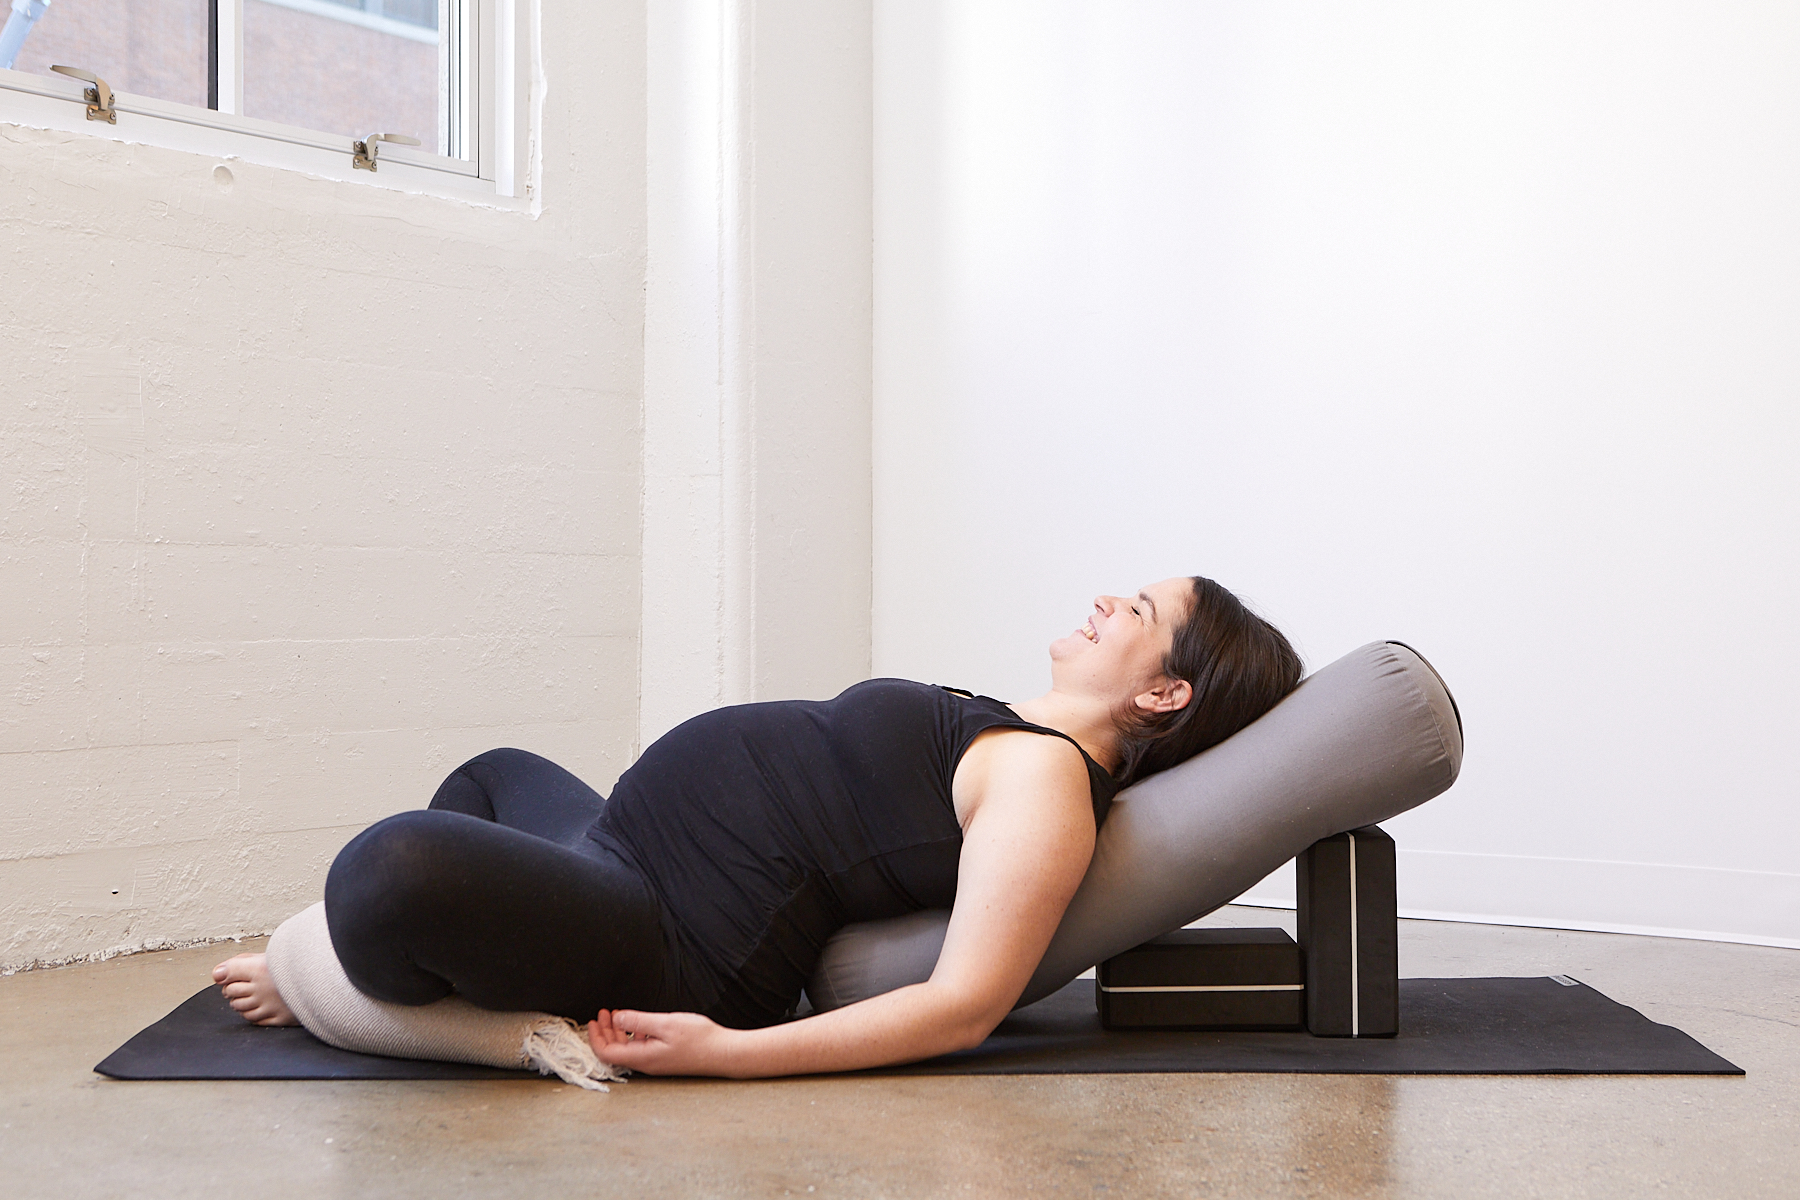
(67, 1132)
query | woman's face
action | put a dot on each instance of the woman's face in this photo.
(1118, 652)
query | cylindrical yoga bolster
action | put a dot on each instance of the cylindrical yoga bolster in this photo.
(1368, 737)
(306, 972)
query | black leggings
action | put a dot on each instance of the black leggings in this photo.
(496, 893)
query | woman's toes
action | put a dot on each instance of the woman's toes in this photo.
(238, 966)
(244, 980)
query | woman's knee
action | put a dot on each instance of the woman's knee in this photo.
(380, 900)
(474, 788)
(397, 850)
(523, 791)
(387, 875)
(510, 762)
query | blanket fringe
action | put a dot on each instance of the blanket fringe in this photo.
(556, 1047)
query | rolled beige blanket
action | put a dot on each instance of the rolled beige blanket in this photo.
(306, 972)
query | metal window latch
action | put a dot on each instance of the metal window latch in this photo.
(99, 97)
(362, 154)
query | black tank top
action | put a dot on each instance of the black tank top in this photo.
(765, 828)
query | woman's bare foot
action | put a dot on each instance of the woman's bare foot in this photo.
(244, 978)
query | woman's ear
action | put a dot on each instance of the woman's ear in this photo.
(1170, 695)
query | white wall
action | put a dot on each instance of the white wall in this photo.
(313, 490)
(1469, 324)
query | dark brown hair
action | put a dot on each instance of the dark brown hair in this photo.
(1239, 666)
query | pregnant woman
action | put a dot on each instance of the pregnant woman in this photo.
(681, 916)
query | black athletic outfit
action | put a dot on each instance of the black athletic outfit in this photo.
(708, 882)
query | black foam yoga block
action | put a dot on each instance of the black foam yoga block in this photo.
(1204, 979)
(1350, 934)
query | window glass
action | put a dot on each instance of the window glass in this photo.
(149, 49)
(353, 68)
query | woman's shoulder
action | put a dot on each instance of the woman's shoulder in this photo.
(1021, 771)
(1022, 754)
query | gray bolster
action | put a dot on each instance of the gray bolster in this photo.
(1368, 737)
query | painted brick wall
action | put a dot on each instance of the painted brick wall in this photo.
(312, 491)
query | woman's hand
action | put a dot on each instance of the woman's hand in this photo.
(660, 1043)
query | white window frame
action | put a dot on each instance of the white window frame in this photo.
(486, 102)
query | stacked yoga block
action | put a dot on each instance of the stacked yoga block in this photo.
(1205, 979)
(1350, 934)
(1341, 979)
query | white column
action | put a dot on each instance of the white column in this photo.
(691, 244)
(756, 544)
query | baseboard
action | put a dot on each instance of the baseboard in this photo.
(1759, 908)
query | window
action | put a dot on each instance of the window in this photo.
(426, 92)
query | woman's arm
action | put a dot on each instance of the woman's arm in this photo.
(1026, 845)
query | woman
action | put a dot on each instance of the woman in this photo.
(689, 908)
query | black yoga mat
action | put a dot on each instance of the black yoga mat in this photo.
(1533, 1026)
